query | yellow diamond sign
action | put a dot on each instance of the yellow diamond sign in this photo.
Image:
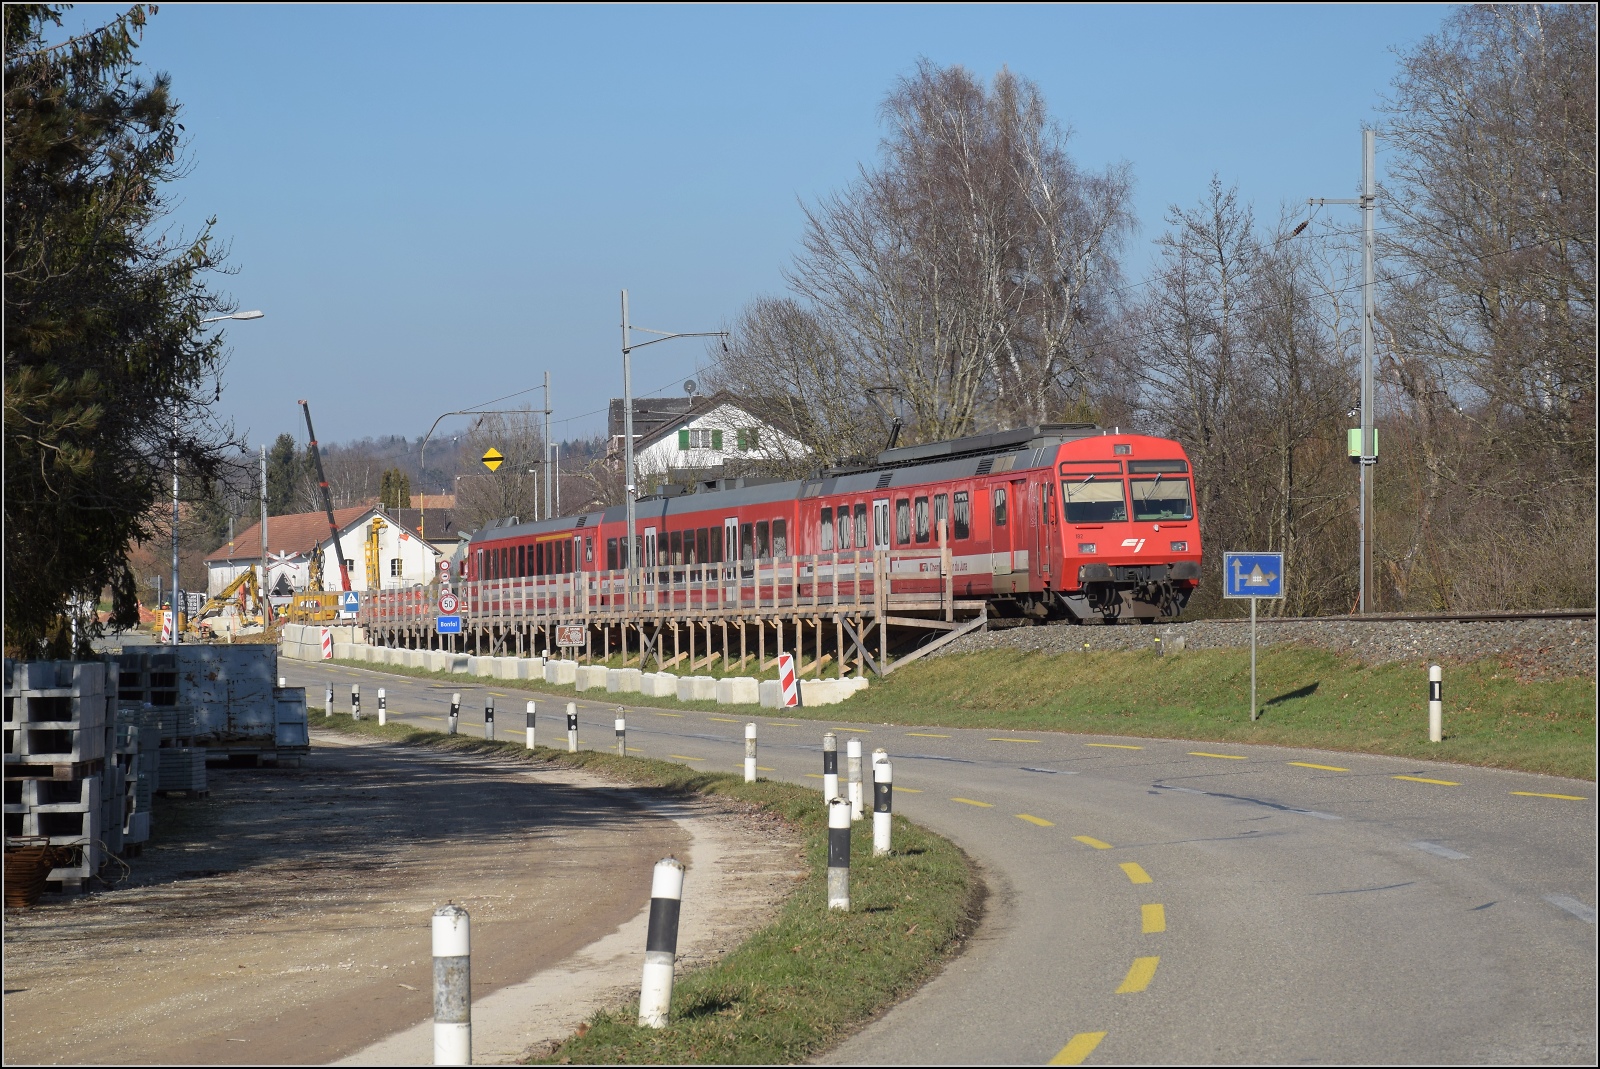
(492, 459)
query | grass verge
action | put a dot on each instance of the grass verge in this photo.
(807, 980)
(1308, 697)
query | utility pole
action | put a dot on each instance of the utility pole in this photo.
(261, 591)
(549, 499)
(1366, 453)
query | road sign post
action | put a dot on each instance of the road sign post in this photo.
(1254, 576)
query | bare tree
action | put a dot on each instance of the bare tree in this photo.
(516, 487)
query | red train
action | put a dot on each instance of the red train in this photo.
(1062, 521)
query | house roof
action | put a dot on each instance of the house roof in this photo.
(700, 406)
(441, 522)
(297, 535)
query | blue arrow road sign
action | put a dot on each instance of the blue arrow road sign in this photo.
(350, 603)
(1252, 575)
(449, 625)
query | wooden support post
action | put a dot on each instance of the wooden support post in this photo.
(691, 643)
(761, 644)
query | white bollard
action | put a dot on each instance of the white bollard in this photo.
(488, 718)
(355, 701)
(1435, 704)
(383, 708)
(452, 986)
(455, 711)
(749, 753)
(839, 854)
(661, 943)
(530, 725)
(572, 727)
(882, 803)
(622, 734)
(282, 682)
(327, 700)
(830, 767)
(853, 770)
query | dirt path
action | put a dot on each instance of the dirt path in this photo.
(285, 919)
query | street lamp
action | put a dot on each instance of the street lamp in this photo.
(422, 519)
(176, 639)
(629, 491)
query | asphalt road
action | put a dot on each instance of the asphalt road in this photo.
(1174, 902)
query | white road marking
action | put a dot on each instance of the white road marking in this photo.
(1440, 851)
(1573, 906)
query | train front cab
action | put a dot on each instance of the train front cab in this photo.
(1130, 545)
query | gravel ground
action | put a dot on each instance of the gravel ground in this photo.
(1537, 649)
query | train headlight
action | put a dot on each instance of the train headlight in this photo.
(1180, 547)
(1085, 547)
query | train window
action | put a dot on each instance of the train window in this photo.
(922, 519)
(716, 545)
(863, 532)
(538, 559)
(1084, 467)
(902, 521)
(1093, 500)
(702, 545)
(963, 515)
(747, 541)
(941, 511)
(505, 563)
(676, 541)
(588, 549)
(825, 529)
(780, 538)
(1161, 499)
(522, 560)
(664, 549)
(763, 546)
(1148, 467)
(612, 563)
(999, 506)
(843, 541)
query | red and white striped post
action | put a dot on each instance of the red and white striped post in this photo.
(327, 644)
(786, 677)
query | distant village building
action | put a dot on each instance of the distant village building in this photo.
(698, 435)
(400, 555)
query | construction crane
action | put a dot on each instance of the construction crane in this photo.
(327, 500)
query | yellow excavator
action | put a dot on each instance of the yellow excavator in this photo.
(235, 611)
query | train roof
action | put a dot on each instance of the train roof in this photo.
(959, 458)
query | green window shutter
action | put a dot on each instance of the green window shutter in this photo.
(755, 438)
(683, 439)
(716, 440)
(740, 434)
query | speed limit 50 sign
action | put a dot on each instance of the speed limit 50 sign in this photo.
(447, 604)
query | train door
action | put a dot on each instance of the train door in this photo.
(730, 548)
(650, 554)
(1046, 537)
(1000, 535)
(880, 523)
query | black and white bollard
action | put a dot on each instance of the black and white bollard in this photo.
(488, 718)
(839, 854)
(1435, 704)
(853, 772)
(572, 727)
(830, 767)
(455, 711)
(355, 701)
(661, 943)
(327, 700)
(622, 734)
(530, 725)
(749, 753)
(383, 708)
(882, 803)
(452, 986)
(282, 682)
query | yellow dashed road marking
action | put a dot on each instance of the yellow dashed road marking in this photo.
(858, 731)
(1090, 840)
(670, 714)
(813, 775)
(1136, 872)
(1078, 1048)
(969, 801)
(926, 735)
(908, 790)
(1222, 756)
(1424, 779)
(1322, 768)
(1539, 794)
(724, 720)
(1153, 918)
(684, 757)
(1013, 740)
(1031, 819)
(1139, 975)
(1110, 746)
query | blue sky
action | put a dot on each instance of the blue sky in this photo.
(434, 205)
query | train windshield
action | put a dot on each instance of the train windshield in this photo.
(1094, 500)
(1161, 498)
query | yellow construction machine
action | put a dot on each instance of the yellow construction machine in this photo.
(235, 611)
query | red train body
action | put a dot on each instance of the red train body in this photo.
(1061, 521)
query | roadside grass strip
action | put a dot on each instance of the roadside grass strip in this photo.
(811, 977)
(1078, 1048)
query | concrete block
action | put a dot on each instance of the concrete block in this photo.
(530, 668)
(658, 684)
(771, 694)
(473, 665)
(457, 663)
(563, 672)
(697, 689)
(589, 677)
(738, 690)
(343, 651)
(624, 680)
(824, 691)
(512, 667)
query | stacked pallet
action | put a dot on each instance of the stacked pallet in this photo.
(59, 729)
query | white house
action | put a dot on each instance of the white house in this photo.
(366, 533)
(698, 434)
